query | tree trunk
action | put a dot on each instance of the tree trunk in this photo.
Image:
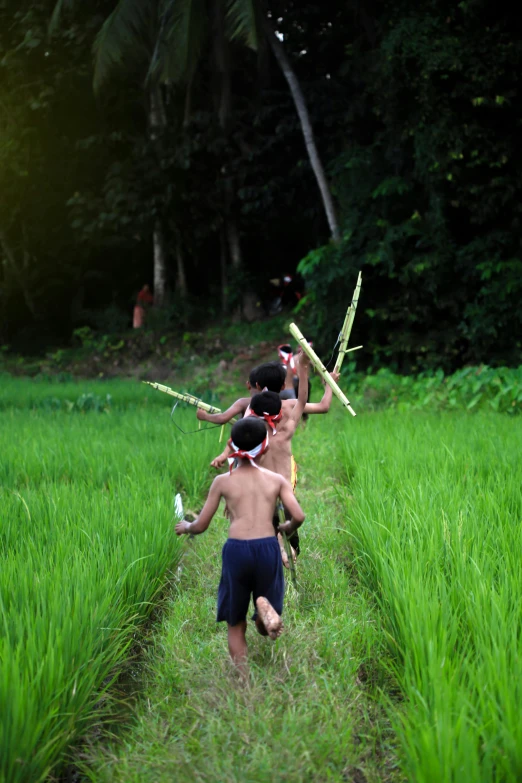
(187, 111)
(18, 273)
(223, 105)
(160, 264)
(223, 267)
(306, 127)
(181, 277)
(157, 121)
(234, 243)
(222, 64)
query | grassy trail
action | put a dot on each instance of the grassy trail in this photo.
(307, 715)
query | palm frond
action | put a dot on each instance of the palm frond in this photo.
(61, 7)
(181, 40)
(244, 21)
(126, 38)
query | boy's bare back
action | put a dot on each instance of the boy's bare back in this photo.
(251, 494)
(278, 458)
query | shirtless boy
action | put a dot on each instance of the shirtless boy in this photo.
(251, 562)
(270, 376)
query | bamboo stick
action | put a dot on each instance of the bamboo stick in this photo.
(319, 366)
(347, 326)
(184, 397)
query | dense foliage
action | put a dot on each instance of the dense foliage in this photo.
(416, 114)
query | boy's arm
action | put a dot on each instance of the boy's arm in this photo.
(239, 406)
(289, 500)
(324, 405)
(289, 381)
(302, 374)
(219, 461)
(207, 512)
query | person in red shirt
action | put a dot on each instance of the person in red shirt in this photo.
(143, 300)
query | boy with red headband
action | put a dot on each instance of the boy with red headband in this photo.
(268, 377)
(251, 563)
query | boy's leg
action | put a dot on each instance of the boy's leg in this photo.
(269, 589)
(268, 622)
(234, 597)
(237, 646)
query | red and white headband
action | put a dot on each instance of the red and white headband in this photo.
(243, 454)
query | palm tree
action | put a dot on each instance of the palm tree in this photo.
(130, 39)
(166, 38)
(163, 40)
(249, 21)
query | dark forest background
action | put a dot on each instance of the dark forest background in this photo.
(158, 141)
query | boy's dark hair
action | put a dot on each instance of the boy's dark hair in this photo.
(248, 433)
(271, 375)
(266, 402)
(252, 378)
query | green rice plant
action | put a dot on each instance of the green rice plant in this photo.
(86, 546)
(434, 512)
(24, 394)
(472, 388)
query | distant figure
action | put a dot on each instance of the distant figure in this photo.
(143, 301)
(285, 292)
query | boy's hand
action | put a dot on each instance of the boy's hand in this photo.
(218, 462)
(201, 414)
(182, 527)
(335, 376)
(304, 359)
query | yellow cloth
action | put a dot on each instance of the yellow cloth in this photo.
(294, 472)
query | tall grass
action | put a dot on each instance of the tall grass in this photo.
(86, 544)
(434, 513)
(471, 388)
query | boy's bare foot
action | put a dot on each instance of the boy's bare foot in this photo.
(269, 617)
(284, 556)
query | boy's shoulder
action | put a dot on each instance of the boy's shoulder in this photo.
(287, 406)
(261, 475)
(271, 475)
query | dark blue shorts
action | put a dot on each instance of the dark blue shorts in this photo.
(251, 568)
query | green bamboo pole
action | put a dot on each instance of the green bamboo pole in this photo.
(347, 327)
(319, 366)
(184, 397)
(191, 401)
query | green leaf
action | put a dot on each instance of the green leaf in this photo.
(243, 17)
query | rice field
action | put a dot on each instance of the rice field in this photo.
(434, 519)
(402, 653)
(86, 547)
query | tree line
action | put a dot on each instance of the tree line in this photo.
(207, 146)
